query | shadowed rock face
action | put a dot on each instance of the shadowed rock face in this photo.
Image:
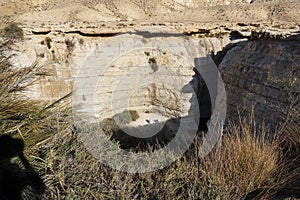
(14, 179)
(265, 74)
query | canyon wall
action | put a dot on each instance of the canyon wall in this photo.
(142, 71)
(148, 72)
(263, 74)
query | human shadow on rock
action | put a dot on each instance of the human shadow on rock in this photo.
(14, 178)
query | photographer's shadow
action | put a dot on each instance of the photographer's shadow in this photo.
(13, 178)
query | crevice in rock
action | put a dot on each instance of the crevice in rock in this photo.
(240, 38)
(264, 35)
(41, 32)
(202, 33)
(92, 34)
(234, 35)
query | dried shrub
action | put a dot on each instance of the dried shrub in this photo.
(247, 162)
(12, 31)
(70, 45)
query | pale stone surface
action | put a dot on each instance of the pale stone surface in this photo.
(148, 76)
(137, 72)
(87, 55)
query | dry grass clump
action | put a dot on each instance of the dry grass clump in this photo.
(31, 119)
(245, 162)
(12, 31)
(34, 121)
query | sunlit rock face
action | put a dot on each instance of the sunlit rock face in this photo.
(152, 74)
(149, 74)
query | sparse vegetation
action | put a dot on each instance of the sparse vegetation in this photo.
(111, 125)
(248, 163)
(48, 41)
(20, 115)
(70, 45)
(81, 41)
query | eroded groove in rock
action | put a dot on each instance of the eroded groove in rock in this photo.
(41, 32)
(90, 34)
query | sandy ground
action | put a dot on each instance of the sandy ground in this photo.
(148, 118)
(82, 14)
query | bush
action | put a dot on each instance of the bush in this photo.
(12, 31)
(18, 113)
(246, 159)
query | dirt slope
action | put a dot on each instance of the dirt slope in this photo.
(208, 11)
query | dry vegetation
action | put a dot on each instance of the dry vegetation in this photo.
(11, 30)
(249, 162)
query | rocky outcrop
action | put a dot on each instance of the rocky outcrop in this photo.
(140, 72)
(159, 65)
(251, 59)
(263, 74)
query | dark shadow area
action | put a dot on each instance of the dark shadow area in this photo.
(289, 191)
(13, 178)
(203, 99)
(148, 34)
(218, 56)
(236, 35)
(159, 140)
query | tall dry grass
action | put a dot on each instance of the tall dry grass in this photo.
(246, 160)
(30, 119)
(36, 122)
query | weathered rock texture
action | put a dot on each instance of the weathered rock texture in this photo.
(64, 36)
(147, 75)
(259, 67)
(265, 74)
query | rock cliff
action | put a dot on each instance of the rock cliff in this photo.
(255, 45)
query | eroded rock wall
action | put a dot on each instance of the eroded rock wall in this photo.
(158, 72)
(261, 69)
(263, 74)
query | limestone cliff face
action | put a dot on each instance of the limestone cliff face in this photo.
(109, 75)
(150, 73)
(264, 74)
